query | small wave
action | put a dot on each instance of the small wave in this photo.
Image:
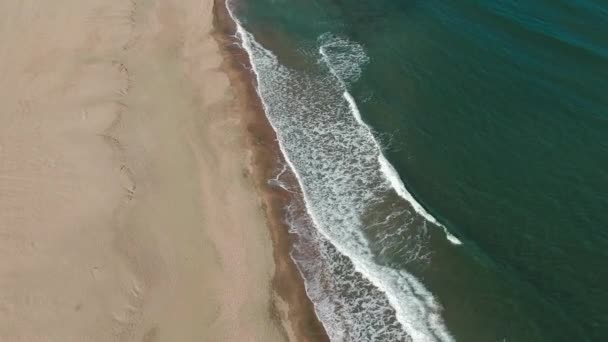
(345, 75)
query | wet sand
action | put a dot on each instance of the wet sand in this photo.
(294, 306)
(128, 203)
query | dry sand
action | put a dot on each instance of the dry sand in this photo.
(126, 209)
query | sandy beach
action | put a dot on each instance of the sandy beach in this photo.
(128, 204)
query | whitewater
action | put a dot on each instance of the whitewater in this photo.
(346, 184)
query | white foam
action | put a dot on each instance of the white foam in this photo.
(336, 163)
(277, 180)
(354, 109)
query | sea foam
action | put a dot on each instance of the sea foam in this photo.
(361, 213)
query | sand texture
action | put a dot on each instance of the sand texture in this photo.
(126, 209)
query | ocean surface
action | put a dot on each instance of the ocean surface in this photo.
(453, 159)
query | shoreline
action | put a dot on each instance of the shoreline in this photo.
(264, 159)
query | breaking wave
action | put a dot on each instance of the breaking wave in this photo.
(360, 215)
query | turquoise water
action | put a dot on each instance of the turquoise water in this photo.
(494, 116)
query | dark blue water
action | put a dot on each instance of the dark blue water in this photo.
(494, 114)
